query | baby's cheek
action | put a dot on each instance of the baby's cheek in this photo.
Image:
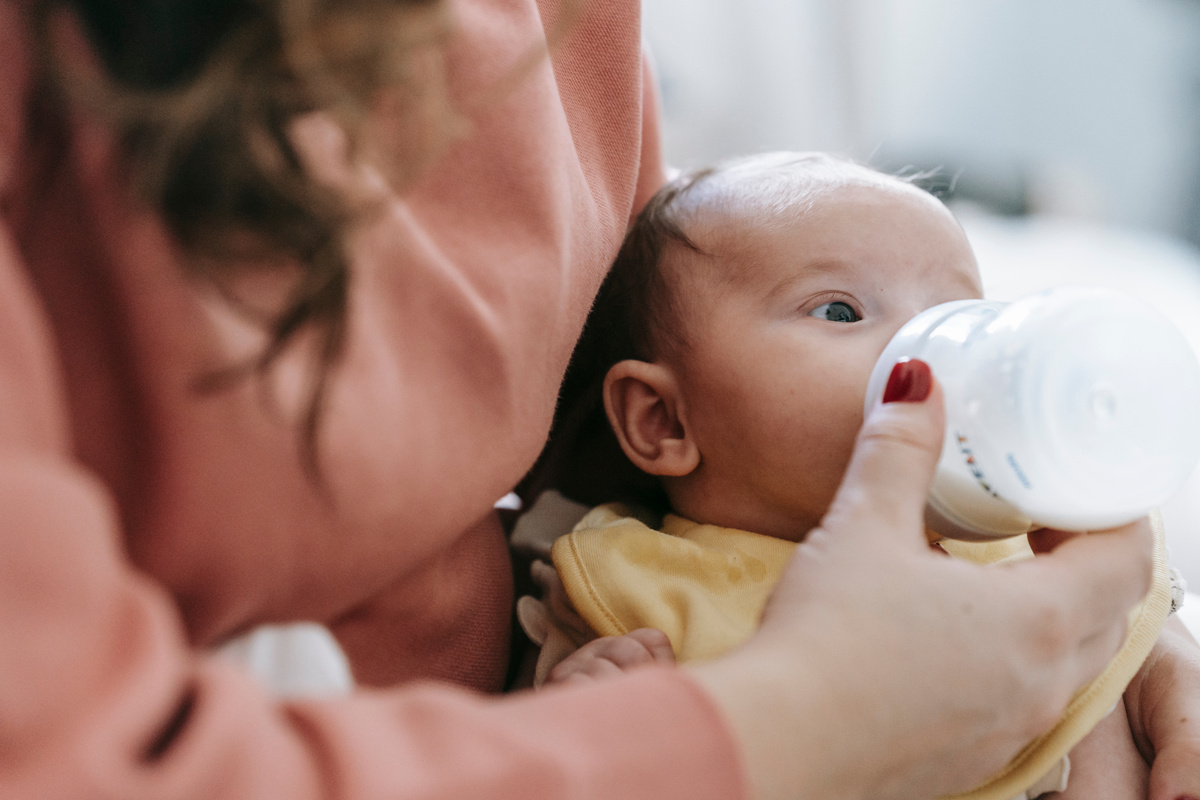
(821, 453)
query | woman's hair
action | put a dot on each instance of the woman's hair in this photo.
(202, 95)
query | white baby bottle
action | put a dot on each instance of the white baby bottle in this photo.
(1076, 408)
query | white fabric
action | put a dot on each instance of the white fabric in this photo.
(1190, 613)
(300, 660)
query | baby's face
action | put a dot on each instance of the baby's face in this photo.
(783, 332)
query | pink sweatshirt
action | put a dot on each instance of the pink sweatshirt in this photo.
(140, 522)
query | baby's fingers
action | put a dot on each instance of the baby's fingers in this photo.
(655, 643)
(613, 655)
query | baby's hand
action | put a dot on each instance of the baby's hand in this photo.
(612, 655)
(1164, 713)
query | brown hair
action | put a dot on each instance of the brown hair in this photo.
(202, 94)
(634, 316)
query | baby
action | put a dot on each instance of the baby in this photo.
(735, 336)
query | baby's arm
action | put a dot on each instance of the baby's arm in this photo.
(1164, 712)
(1107, 765)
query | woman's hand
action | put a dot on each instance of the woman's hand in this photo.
(883, 670)
(1164, 713)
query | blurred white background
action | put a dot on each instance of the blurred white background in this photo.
(1079, 107)
(1069, 128)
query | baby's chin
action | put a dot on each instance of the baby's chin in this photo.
(795, 522)
(789, 527)
(796, 530)
(748, 507)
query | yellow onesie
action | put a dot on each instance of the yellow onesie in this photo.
(706, 586)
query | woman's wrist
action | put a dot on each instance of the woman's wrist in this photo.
(785, 732)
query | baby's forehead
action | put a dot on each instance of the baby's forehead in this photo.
(725, 213)
(748, 193)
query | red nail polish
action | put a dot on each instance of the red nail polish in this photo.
(909, 382)
(1185, 797)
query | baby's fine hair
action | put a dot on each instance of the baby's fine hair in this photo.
(637, 312)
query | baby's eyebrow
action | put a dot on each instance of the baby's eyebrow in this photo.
(820, 268)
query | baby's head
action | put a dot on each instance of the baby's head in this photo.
(743, 316)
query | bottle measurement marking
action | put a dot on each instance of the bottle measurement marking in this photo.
(1016, 468)
(969, 455)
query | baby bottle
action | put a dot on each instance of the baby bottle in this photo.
(1076, 408)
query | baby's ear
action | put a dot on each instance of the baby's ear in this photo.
(646, 410)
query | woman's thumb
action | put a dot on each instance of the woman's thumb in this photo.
(892, 467)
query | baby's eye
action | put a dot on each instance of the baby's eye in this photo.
(836, 311)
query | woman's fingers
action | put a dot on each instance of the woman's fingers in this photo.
(883, 492)
(1090, 582)
(1045, 540)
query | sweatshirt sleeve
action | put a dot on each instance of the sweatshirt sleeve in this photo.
(100, 696)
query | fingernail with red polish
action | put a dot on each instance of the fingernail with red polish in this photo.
(1185, 797)
(910, 382)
